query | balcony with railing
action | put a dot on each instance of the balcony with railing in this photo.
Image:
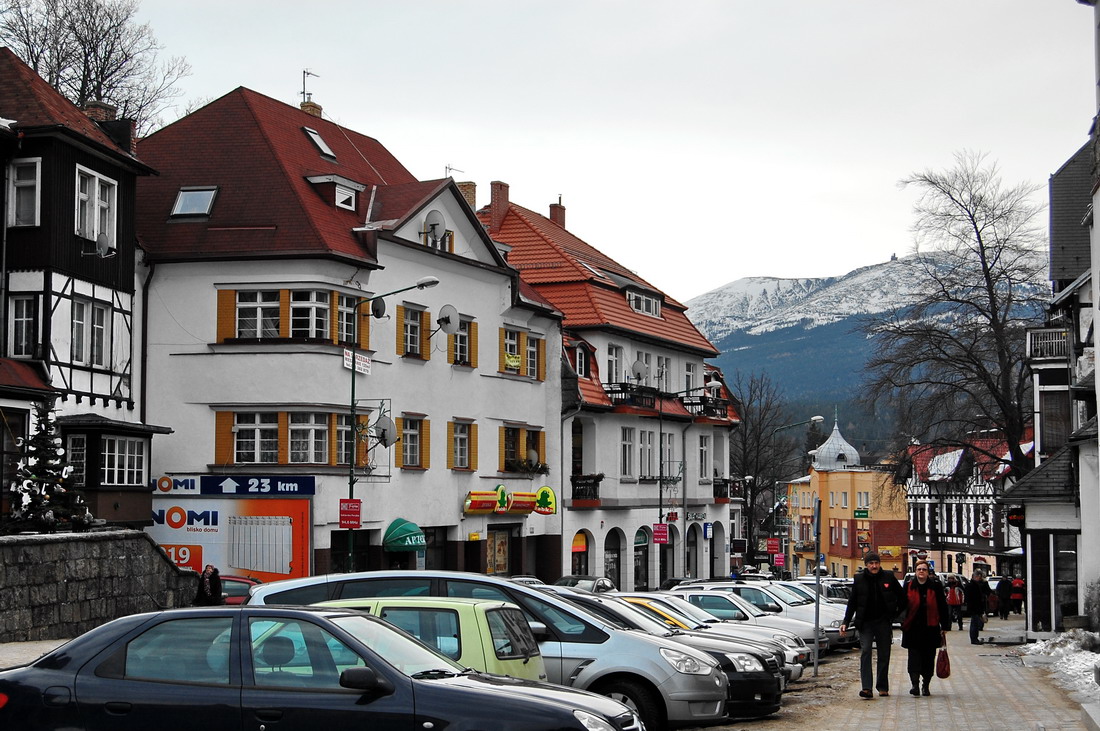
(701, 405)
(1048, 344)
(632, 394)
(722, 487)
(586, 490)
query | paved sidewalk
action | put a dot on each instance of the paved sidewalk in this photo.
(992, 687)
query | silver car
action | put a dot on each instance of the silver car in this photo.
(732, 608)
(665, 682)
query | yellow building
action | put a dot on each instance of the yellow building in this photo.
(862, 509)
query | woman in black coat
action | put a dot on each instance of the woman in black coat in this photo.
(209, 593)
(926, 620)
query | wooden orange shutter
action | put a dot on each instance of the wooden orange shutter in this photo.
(426, 335)
(227, 314)
(425, 443)
(284, 314)
(451, 241)
(333, 419)
(450, 445)
(500, 450)
(223, 437)
(521, 348)
(541, 357)
(473, 344)
(542, 447)
(363, 319)
(473, 447)
(500, 346)
(451, 349)
(284, 438)
(334, 316)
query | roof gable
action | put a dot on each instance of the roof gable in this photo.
(259, 154)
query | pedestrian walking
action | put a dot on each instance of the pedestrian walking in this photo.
(209, 593)
(955, 601)
(875, 601)
(977, 591)
(926, 621)
(1017, 594)
(1004, 596)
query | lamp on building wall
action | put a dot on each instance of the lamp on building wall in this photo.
(422, 283)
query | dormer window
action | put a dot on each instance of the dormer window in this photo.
(582, 362)
(194, 201)
(319, 141)
(345, 198)
(646, 304)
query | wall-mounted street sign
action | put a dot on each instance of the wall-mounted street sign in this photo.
(257, 485)
(350, 512)
(863, 513)
(362, 361)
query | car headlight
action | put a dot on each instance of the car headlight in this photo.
(592, 722)
(682, 662)
(835, 623)
(788, 640)
(746, 663)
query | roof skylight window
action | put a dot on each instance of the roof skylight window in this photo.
(320, 142)
(194, 201)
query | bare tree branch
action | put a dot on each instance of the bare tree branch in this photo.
(952, 360)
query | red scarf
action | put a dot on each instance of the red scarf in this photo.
(931, 606)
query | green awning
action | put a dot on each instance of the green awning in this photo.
(403, 535)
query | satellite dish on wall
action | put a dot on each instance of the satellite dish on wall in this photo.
(378, 308)
(639, 370)
(448, 319)
(385, 431)
(435, 225)
(103, 247)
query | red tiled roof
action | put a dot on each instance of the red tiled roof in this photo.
(989, 467)
(21, 375)
(254, 149)
(553, 261)
(32, 103)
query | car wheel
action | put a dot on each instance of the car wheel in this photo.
(640, 700)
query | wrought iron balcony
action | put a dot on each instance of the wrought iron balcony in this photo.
(702, 405)
(632, 394)
(586, 487)
(1048, 344)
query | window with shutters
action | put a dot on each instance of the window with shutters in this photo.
(413, 338)
(309, 438)
(414, 443)
(523, 450)
(512, 361)
(463, 344)
(256, 438)
(258, 314)
(462, 440)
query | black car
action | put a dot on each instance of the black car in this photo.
(222, 668)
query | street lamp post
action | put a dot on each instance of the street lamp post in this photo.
(422, 283)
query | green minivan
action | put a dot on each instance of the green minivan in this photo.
(484, 634)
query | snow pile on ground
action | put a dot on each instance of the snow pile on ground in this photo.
(1075, 654)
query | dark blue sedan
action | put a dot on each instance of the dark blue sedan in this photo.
(235, 668)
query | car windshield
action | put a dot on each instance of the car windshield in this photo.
(680, 616)
(801, 590)
(401, 650)
(681, 607)
(746, 606)
(788, 596)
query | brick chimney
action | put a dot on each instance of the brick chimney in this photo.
(469, 192)
(311, 107)
(557, 213)
(100, 111)
(498, 205)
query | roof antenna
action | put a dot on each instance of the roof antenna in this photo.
(307, 96)
(450, 169)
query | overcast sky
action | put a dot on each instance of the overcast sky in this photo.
(696, 142)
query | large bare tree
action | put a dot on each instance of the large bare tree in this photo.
(952, 360)
(95, 50)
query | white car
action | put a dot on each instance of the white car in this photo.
(731, 608)
(778, 599)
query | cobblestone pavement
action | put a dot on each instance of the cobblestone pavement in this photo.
(991, 688)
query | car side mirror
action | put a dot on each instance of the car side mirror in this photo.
(739, 616)
(366, 680)
(539, 630)
(773, 608)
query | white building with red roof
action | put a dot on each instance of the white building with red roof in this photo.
(270, 237)
(645, 430)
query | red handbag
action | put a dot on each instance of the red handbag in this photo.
(943, 664)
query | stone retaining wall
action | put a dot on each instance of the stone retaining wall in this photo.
(55, 586)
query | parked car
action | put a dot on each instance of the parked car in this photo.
(484, 634)
(589, 583)
(770, 597)
(678, 612)
(524, 579)
(754, 670)
(673, 581)
(666, 682)
(732, 608)
(829, 593)
(228, 667)
(235, 588)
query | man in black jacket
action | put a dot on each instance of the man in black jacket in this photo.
(876, 599)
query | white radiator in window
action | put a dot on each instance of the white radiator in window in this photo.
(260, 543)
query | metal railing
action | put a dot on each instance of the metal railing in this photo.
(1048, 343)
